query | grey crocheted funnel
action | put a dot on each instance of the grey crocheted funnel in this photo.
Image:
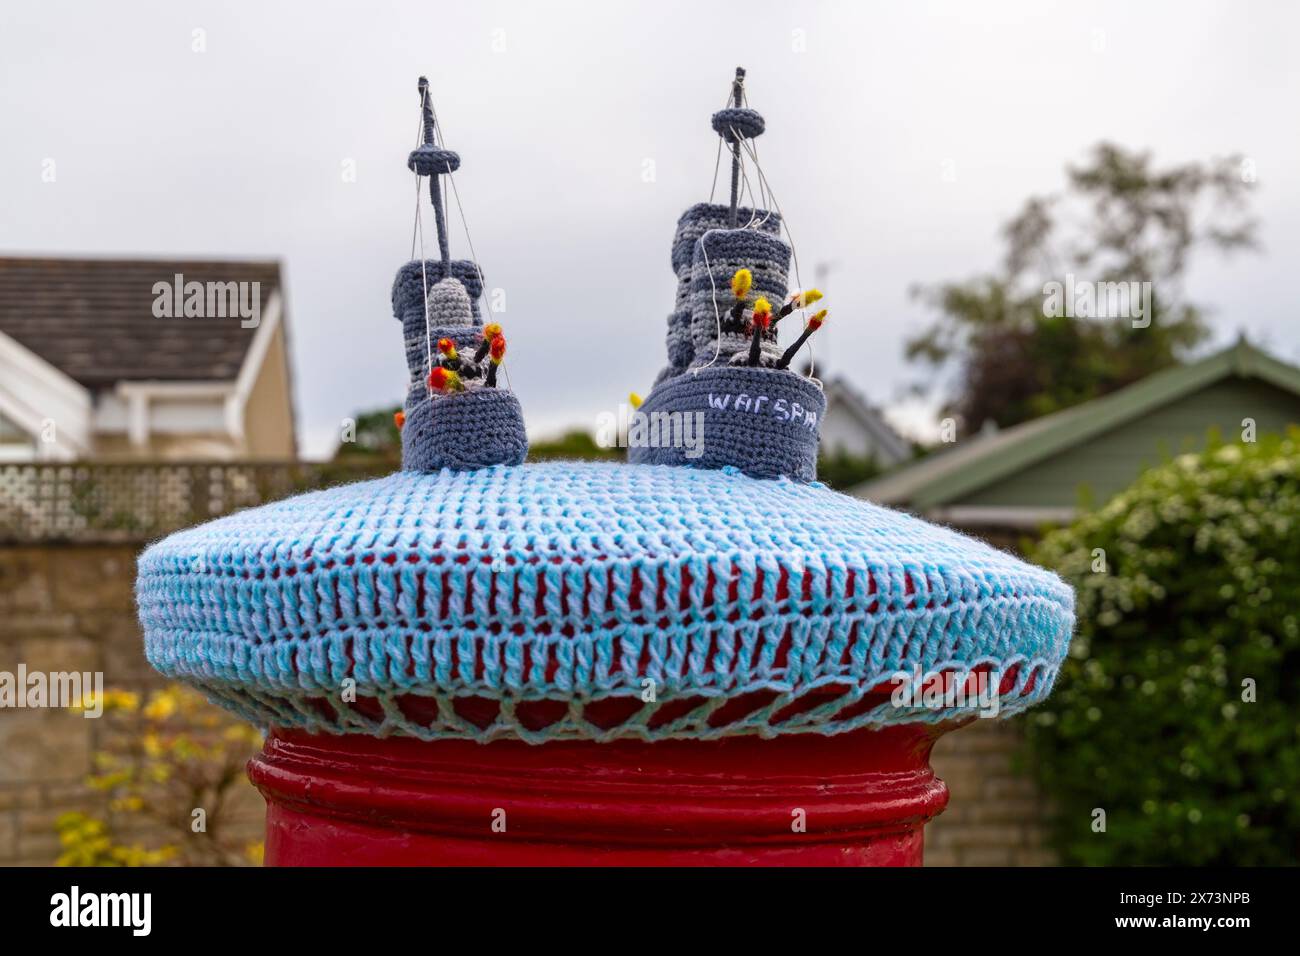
(747, 413)
(436, 300)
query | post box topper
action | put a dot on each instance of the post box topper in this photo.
(699, 591)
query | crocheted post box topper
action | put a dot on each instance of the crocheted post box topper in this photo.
(457, 414)
(725, 368)
(596, 601)
(471, 596)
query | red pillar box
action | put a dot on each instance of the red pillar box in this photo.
(860, 799)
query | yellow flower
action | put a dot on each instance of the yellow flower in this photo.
(110, 700)
(162, 705)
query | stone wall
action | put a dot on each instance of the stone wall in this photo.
(70, 608)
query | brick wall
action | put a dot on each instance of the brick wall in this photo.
(995, 816)
(69, 608)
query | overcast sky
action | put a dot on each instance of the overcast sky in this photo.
(899, 136)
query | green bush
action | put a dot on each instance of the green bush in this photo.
(574, 445)
(1176, 712)
(842, 471)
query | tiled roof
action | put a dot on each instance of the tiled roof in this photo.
(94, 318)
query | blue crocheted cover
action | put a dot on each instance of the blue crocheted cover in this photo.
(547, 601)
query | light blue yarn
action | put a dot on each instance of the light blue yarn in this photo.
(269, 610)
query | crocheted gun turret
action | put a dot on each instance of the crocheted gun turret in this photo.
(456, 414)
(725, 366)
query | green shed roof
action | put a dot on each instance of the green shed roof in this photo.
(947, 476)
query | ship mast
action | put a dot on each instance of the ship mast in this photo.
(435, 178)
(737, 98)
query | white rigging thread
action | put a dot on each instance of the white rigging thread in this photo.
(708, 268)
(469, 240)
(717, 162)
(424, 279)
(418, 233)
(717, 316)
(803, 312)
(753, 150)
(765, 193)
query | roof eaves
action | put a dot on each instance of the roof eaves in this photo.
(1072, 426)
(869, 418)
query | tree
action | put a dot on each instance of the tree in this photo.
(1120, 220)
(376, 436)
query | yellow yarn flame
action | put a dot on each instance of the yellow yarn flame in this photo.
(741, 282)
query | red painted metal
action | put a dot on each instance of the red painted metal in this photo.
(864, 798)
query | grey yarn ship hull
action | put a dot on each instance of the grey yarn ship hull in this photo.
(462, 431)
(694, 223)
(764, 422)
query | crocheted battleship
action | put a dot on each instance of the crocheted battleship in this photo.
(471, 596)
(456, 414)
(724, 364)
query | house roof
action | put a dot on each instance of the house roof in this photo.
(93, 318)
(872, 422)
(947, 475)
